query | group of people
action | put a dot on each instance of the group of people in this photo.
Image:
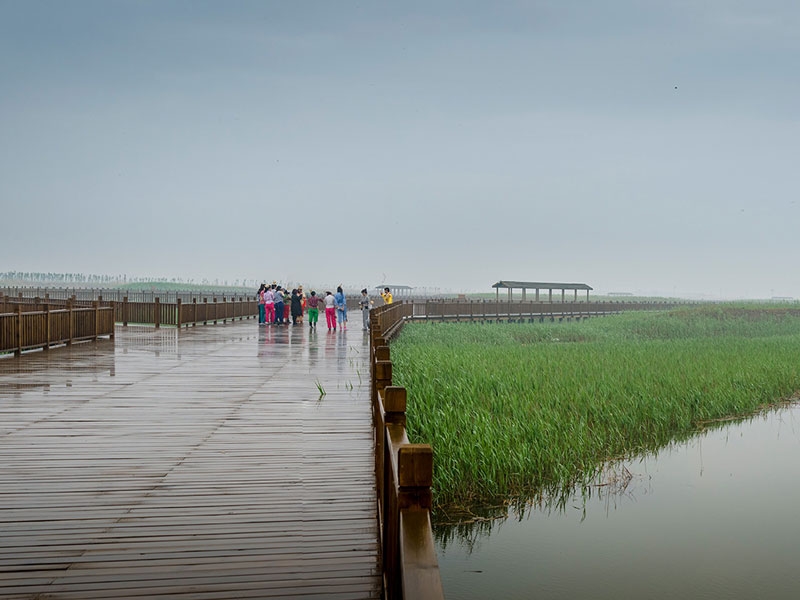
(273, 301)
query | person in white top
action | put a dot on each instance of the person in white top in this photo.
(269, 305)
(330, 311)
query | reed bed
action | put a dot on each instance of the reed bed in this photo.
(515, 408)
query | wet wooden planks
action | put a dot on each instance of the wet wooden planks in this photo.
(201, 463)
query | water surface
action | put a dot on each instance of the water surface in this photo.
(715, 517)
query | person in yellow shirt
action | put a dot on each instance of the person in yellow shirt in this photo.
(386, 294)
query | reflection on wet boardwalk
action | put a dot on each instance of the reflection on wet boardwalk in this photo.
(200, 462)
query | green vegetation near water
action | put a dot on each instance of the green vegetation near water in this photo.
(515, 408)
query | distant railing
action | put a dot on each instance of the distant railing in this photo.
(27, 326)
(489, 310)
(156, 312)
(183, 314)
(117, 294)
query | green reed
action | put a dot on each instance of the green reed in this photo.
(514, 408)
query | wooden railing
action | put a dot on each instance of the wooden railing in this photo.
(87, 294)
(390, 316)
(155, 312)
(183, 314)
(28, 325)
(404, 473)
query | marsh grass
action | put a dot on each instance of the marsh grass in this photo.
(511, 409)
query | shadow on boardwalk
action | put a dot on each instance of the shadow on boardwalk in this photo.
(201, 462)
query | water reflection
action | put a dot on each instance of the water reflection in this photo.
(41, 371)
(712, 517)
(150, 339)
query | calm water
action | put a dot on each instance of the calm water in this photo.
(715, 517)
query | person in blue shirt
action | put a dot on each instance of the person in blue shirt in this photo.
(341, 307)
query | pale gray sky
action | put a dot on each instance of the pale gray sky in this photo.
(647, 147)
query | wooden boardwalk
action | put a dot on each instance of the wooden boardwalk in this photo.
(200, 463)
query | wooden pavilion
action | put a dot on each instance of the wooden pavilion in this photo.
(537, 286)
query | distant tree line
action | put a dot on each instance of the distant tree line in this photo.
(31, 277)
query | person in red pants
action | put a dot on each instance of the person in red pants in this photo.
(330, 311)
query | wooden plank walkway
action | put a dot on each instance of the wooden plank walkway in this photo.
(199, 463)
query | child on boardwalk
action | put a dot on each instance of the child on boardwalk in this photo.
(330, 311)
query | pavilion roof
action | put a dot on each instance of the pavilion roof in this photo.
(539, 285)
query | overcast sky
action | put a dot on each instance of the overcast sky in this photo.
(637, 146)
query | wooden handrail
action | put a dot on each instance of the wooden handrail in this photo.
(185, 314)
(404, 474)
(32, 326)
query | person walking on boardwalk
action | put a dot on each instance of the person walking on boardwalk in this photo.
(278, 293)
(313, 310)
(330, 311)
(296, 307)
(287, 305)
(364, 302)
(262, 311)
(386, 294)
(303, 303)
(341, 307)
(269, 305)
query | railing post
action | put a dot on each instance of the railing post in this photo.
(205, 311)
(70, 316)
(383, 369)
(194, 312)
(96, 306)
(216, 306)
(157, 316)
(415, 476)
(125, 309)
(394, 406)
(47, 326)
(180, 313)
(18, 349)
